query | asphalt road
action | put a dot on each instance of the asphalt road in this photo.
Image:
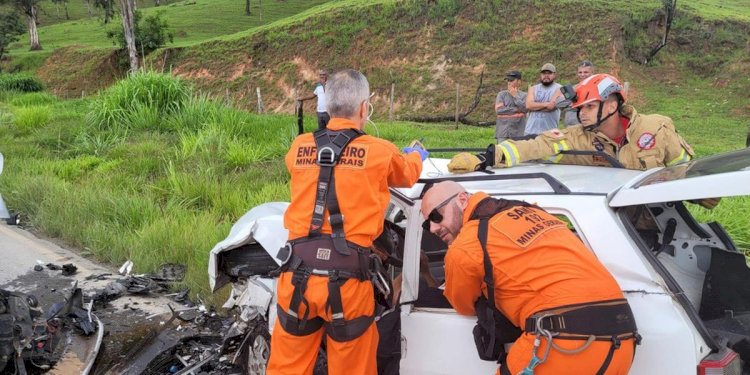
(20, 250)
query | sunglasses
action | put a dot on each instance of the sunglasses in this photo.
(435, 216)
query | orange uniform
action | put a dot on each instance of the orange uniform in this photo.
(538, 264)
(367, 168)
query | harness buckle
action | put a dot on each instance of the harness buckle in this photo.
(336, 219)
(334, 276)
(285, 253)
(329, 153)
(376, 273)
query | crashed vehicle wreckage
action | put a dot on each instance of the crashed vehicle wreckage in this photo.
(32, 341)
(687, 282)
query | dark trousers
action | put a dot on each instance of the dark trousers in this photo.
(323, 119)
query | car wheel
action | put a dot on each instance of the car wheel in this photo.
(256, 351)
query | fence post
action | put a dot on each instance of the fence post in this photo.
(390, 106)
(456, 105)
(260, 100)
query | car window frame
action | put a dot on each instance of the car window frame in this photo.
(669, 281)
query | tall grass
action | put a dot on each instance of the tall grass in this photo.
(33, 117)
(33, 98)
(20, 82)
(139, 101)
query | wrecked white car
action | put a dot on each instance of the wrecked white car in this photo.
(687, 282)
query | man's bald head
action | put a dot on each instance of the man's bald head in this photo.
(448, 199)
(438, 193)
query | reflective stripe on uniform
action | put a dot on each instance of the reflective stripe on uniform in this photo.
(511, 153)
(684, 156)
(558, 148)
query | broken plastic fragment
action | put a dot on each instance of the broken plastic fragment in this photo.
(126, 268)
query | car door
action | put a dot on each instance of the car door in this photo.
(433, 340)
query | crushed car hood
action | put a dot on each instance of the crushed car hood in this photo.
(264, 224)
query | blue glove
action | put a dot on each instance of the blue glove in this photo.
(423, 154)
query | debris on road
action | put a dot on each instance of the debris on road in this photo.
(33, 341)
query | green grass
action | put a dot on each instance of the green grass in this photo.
(192, 21)
(50, 13)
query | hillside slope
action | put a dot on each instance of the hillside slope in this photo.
(426, 48)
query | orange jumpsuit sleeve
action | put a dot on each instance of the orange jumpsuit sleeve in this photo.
(404, 169)
(463, 280)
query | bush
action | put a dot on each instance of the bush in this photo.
(132, 102)
(20, 82)
(29, 118)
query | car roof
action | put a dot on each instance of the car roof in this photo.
(716, 176)
(527, 178)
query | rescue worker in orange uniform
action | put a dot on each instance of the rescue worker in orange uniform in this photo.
(608, 125)
(530, 269)
(339, 193)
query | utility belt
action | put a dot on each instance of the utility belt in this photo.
(611, 321)
(603, 320)
(318, 256)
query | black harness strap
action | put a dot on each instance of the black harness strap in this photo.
(340, 329)
(493, 329)
(330, 144)
(605, 365)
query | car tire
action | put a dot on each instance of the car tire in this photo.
(256, 351)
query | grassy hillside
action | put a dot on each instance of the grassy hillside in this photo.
(192, 21)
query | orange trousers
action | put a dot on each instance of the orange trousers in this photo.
(588, 361)
(296, 355)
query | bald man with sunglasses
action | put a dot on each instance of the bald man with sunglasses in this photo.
(513, 264)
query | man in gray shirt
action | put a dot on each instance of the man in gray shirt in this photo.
(541, 102)
(570, 115)
(510, 106)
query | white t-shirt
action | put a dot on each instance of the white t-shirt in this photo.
(320, 91)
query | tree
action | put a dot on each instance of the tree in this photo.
(670, 7)
(10, 28)
(65, 5)
(128, 26)
(30, 9)
(150, 33)
(247, 7)
(108, 7)
(88, 7)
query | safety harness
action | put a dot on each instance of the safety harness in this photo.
(328, 255)
(611, 321)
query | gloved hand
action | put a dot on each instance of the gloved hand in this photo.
(465, 162)
(416, 146)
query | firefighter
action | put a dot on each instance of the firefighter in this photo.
(519, 268)
(339, 193)
(608, 126)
